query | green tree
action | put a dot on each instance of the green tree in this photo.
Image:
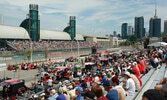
(133, 39)
(46, 53)
(146, 42)
(126, 43)
(28, 53)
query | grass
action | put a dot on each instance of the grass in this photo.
(7, 55)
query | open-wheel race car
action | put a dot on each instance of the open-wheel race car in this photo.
(13, 87)
(89, 66)
(12, 67)
(62, 72)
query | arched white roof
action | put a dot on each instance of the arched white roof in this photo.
(79, 37)
(54, 35)
(13, 32)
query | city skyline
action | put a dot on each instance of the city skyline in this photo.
(98, 17)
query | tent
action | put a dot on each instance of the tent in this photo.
(62, 67)
(158, 44)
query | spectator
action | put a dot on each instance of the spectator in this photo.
(112, 93)
(165, 58)
(71, 92)
(104, 77)
(61, 96)
(78, 93)
(129, 84)
(139, 66)
(136, 81)
(154, 62)
(89, 95)
(108, 73)
(86, 92)
(50, 82)
(153, 94)
(96, 80)
(115, 83)
(67, 96)
(162, 86)
(134, 68)
(43, 96)
(142, 66)
(121, 91)
(53, 95)
(98, 92)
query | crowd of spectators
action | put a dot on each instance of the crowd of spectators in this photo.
(103, 82)
(114, 80)
(51, 45)
(5, 51)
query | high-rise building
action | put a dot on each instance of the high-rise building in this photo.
(155, 26)
(130, 30)
(144, 33)
(124, 30)
(114, 33)
(119, 35)
(139, 26)
(165, 27)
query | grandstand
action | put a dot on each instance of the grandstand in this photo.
(149, 81)
(16, 38)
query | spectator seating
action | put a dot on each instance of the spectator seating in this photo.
(160, 74)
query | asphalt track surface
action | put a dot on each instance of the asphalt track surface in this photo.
(29, 76)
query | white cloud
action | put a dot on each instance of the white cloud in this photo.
(54, 14)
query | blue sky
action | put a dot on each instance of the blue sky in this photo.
(98, 17)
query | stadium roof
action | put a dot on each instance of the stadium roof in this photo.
(96, 36)
(13, 32)
(79, 37)
(88, 35)
(57, 35)
(54, 35)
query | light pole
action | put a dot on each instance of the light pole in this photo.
(71, 45)
(31, 51)
(78, 46)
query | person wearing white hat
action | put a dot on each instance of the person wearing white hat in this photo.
(71, 92)
(97, 80)
(104, 77)
(53, 95)
(43, 96)
(129, 84)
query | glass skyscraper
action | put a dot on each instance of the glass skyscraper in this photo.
(114, 33)
(139, 27)
(165, 28)
(124, 30)
(155, 27)
(130, 30)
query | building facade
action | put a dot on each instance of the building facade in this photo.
(155, 27)
(114, 33)
(165, 28)
(130, 30)
(139, 27)
(124, 30)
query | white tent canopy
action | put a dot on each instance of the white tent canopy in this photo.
(158, 44)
